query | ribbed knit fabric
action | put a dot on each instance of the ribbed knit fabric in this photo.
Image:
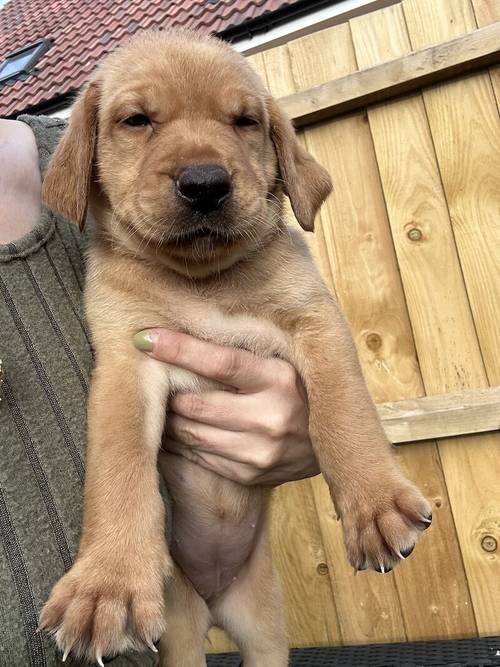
(46, 354)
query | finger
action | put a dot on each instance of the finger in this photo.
(237, 472)
(232, 412)
(210, 439)
(229, 365)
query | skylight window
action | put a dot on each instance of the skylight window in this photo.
(23, 60)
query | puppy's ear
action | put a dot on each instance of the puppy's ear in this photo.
(306, 182)
(66, 184)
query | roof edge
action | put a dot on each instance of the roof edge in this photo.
(270, 20)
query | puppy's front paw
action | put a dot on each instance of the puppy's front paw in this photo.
(383, 523)
(101, 609)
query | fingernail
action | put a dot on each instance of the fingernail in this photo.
(144, 340)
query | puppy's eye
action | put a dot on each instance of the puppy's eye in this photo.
(245, 121)
(137, 120)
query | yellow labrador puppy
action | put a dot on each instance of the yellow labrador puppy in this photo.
(184, 158)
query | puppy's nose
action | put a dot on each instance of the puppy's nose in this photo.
(205, 187)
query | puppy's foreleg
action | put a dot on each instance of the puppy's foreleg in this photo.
(112, 598)
(381, 511)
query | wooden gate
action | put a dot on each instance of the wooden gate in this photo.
(410, 244)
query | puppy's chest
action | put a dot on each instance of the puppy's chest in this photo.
(211, 323)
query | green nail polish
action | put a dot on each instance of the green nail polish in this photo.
(143, 340)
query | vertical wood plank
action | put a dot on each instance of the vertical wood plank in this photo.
(302, 563)
(488, 11)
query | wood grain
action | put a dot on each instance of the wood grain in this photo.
(441, 416)
(302, 563)
(430, 65)
(487, 12)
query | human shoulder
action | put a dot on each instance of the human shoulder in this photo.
(47, 131)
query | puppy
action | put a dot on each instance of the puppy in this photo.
(185, 159)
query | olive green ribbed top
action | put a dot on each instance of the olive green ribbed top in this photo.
(47, 358)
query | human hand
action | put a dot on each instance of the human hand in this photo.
(253, 432)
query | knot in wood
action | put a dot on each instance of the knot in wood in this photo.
(322, 568)
(373, 341)
(489, 543)
(414, 234)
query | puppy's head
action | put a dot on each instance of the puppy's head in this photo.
(183, 154)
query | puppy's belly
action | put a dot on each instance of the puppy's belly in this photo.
(215, 524)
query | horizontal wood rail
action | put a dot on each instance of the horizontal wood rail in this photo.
(443, 416)
(395, 77)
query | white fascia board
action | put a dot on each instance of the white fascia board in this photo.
(340, 12)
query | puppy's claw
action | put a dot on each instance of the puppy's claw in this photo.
(99, 660)
(407, 552)
(399, 554)
(151, 646)
(383, 569)
(65, 655)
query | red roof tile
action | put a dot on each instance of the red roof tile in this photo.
(82, 31)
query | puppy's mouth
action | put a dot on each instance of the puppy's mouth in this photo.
(206, 234)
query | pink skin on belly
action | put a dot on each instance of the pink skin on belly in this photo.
(212, 554)
(212, 538)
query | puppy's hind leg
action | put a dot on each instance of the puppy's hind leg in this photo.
(188, 621)
(250, 612)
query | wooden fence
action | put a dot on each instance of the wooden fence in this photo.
(410, 244)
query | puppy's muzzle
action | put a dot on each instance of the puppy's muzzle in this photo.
(204, 187)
